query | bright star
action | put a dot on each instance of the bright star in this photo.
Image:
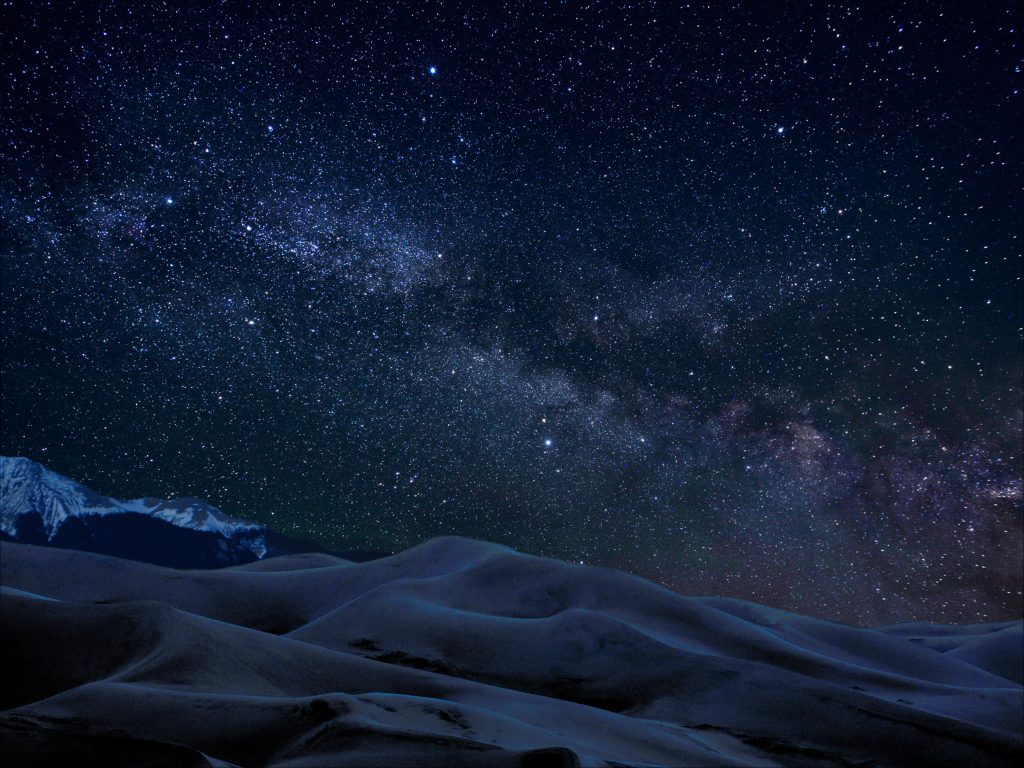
(432, 70)
(548, 442)
(780, 130)
(169, 200)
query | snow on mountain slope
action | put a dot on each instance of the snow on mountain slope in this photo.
(41, 507)
(459, 652)
(27, 487)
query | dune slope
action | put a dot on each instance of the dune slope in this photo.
(459, 652)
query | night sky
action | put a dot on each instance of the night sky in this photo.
(729, 297)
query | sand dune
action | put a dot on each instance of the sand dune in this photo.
(459, 652)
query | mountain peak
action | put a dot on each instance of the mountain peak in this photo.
(41, 507)
(28, 489)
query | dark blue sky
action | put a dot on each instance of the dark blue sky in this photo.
(729, 297)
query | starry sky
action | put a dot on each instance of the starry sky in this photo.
(728, 295)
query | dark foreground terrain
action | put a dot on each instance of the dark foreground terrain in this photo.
(462, 653)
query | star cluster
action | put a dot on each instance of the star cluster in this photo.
(724, 297)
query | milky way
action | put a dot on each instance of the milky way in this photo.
(727, 298)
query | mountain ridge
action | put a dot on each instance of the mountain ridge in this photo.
(41, 507)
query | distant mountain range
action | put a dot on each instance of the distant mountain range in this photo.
(41, 507)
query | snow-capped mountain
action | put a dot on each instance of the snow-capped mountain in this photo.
(41, 507)
(27, 487)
